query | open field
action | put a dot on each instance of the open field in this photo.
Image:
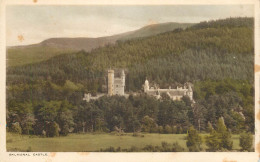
(94, 142)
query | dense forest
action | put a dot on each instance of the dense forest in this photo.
(217, 57)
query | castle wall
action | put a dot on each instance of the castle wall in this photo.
(119, 89)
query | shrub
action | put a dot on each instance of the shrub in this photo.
(29, 149)
(109, 149)
(149, 148)
(53, 130)
(167, 129)
(118, 149)
(16, 128)
(246, 141)
(166, 147)
(136, 134)
(179, 130)
(177, 148)
(160, 129)
(174, 129)
(193, 140)
(133, 149)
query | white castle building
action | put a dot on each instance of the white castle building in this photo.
(115, 85)
(174, 94)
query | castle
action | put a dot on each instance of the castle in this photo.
(116, 86)
(174, 94)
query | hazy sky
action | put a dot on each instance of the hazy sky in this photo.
(37, 23)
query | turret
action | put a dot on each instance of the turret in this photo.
(146, 86)
(190, 92)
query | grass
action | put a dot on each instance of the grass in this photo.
(94, 142)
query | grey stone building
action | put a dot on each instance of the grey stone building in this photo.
(174, 94)
(116, 85)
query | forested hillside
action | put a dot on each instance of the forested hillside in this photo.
(217, 57)
(178, 56)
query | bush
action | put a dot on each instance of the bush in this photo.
(16, 128)
(246, 141)
(133, 149)
(179, 130)
(174, 129)
(118, 149)
(166, 147)
(29, 149)
(160, 129)
(149, 148)
(193, 140)
(167, 129)
(109, 149)
(53, 130)
(136, 134)
(177, 148)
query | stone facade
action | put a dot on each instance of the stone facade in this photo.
(174, 94)
(116, 85)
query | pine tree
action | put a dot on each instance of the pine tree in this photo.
(246, 141)
(224, 135)
(210, 127)
(212, 141)
(220, 138)
(193, 140)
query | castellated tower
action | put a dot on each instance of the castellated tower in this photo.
(115, 85)
(146, 86)
(119, 84)
(190, 93)
(110, 82)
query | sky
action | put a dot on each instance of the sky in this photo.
(33, 24)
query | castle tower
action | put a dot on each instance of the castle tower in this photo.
(146, 85)
(190, 92)
(110, 82)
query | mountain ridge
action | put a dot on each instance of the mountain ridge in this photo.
(21, 55)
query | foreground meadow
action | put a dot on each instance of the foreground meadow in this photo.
(94, 142)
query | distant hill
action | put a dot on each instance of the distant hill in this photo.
(21, 55)
(155, 29)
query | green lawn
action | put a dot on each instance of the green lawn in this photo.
(94, 142)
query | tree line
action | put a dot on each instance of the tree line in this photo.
(139, 113)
